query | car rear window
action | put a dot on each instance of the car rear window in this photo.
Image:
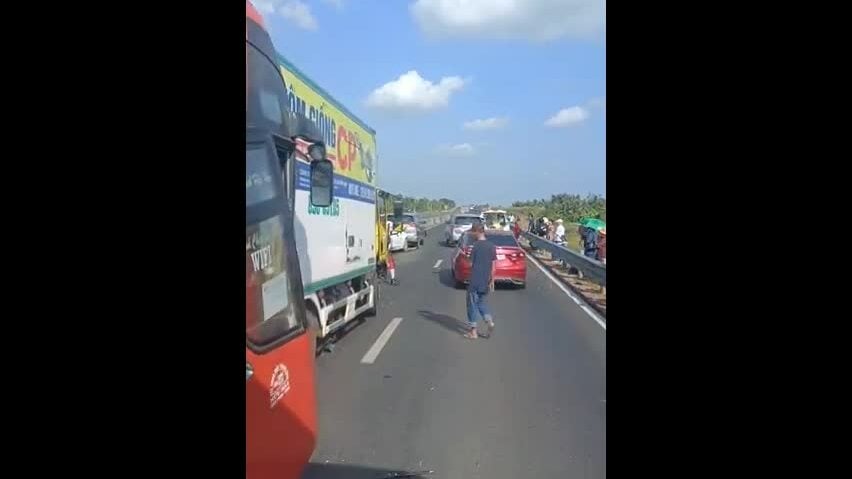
(498, 240)
(468, 220)
(404, 219)
(502, 240)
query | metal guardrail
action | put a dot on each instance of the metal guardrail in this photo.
(592, 270)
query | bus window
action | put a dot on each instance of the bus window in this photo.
(267, 100)
(260, 182)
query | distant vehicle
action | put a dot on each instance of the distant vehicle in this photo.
(459, 225)
(408, 224)
(496, 220)
(511, 259)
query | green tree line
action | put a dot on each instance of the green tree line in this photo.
(571, 208)
(425, 205)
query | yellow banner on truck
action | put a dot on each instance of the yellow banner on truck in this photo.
(350, 143)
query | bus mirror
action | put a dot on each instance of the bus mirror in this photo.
(322, 184)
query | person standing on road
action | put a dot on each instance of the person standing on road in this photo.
(391, 266)
(483, 262)
(602, 245)
(560, 232)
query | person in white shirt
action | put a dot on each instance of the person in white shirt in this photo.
(560, 232)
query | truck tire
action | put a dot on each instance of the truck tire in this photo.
(405, 247)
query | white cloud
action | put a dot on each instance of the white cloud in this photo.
(538, 20)
(412, 92)
(486, 124)
(460, 150)
(294, 11)
(568, 117)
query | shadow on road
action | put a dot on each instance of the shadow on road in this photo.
(445, 276)
(346, 471)
(448, 322)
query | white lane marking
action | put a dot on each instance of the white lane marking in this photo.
(570, 293)
(376, 348)
(438, 263)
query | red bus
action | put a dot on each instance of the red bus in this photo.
(281, 417)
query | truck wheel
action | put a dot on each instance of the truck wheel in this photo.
(405, 248)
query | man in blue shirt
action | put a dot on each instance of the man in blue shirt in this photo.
(483, 258)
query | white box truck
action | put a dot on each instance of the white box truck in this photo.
(336, 245)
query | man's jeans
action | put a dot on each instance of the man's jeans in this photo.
(476, 303)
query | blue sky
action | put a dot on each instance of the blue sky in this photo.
(533, 70)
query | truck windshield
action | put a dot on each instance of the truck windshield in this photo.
(494, 218)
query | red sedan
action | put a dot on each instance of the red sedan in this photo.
(511, 259)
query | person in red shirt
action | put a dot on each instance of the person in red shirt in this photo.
(391, 265)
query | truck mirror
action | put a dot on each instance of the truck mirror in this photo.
(322, 184)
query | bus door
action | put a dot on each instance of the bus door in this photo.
(280, 394)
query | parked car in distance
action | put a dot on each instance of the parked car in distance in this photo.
(511, 259)
(415, 232)
(459, 225)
